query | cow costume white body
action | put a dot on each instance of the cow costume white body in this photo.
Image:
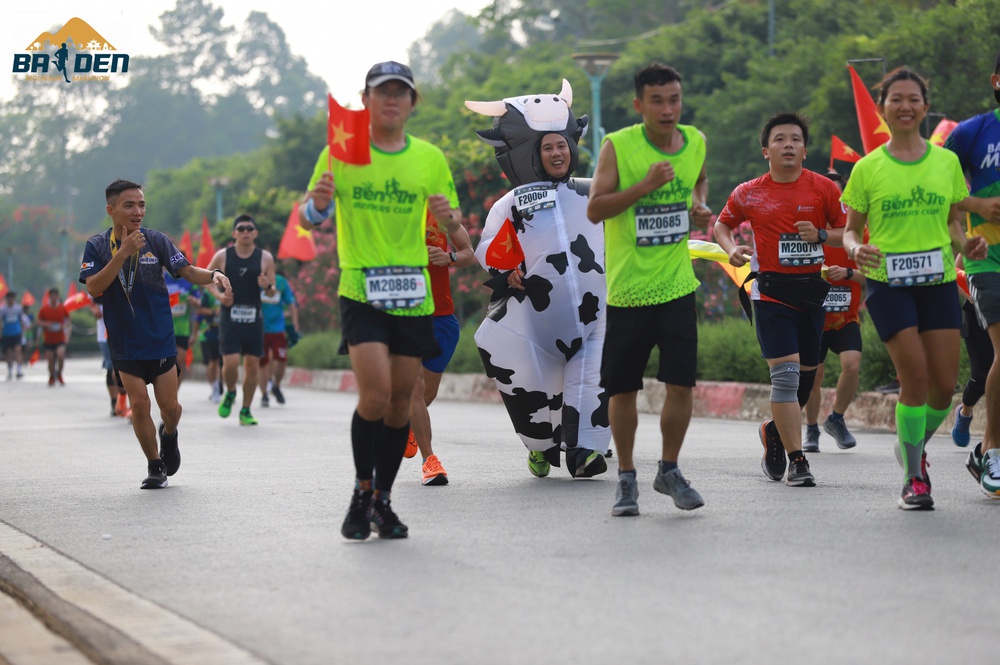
(543, 345)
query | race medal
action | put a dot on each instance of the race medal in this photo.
(661, 224)
(914, 268)
(838, 299)
(529, 200)
(395, 287)
(243, 314)
(794, 251)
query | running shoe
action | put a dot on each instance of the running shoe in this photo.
(52, 380)
(60, 379)
(990, 481)
(916, 496)
(227, 404)
(537, 464)
(114, 411)
(278, 395)
(246, 418)
(411, 446)
(20, 374)
(837, 428)
(673, 484)
(626, 496)
(121, 404)
(264, 401)
(385, 521)
(960, 432)
(924, 465)
(157, 478)
(773, 463)
(799, 474)
(585, 463)
(974, 462)
(434, 473)
(811, 444)
(356, 525)
(169, 452)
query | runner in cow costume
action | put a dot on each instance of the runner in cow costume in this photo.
(542, 338)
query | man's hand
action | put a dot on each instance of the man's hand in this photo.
(131, 243)
(807, 231)
(989, 210)
(438, 256)
(514, 279)
(836, 273)
(322, 193)
(222, 283)
(976, 248)
(701, 214)
(659, 174)
(740, 255)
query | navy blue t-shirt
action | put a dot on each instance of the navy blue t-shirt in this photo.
(144, 329)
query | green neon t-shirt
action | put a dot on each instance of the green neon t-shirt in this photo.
(381, 213)
(907, 203)
(647, 263)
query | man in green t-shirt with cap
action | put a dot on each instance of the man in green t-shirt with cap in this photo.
(649, 187)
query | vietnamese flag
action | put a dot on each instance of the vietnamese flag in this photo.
(505, 251)
(27, 300)
(297, 243)
(347, 134)
(185, 245)
(841, 151)
(207, 249)
(3, 286)
(73, 290)
(942, 131)
(77, 299)
(35, 355)
(874, 131)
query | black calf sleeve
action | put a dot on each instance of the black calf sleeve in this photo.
(365, 437)
(806, 380)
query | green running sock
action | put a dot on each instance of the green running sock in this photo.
(911, 421)
(934, 419)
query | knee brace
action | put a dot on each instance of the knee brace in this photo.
(785, 382)
(806, 380)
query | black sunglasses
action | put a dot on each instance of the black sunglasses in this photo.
(242, 228)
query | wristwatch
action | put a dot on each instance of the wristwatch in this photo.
(850, 273)
(453, 256)
(823, 235)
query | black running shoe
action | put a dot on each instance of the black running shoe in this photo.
(974, 462)
(916, 495)
(276, 391)
(157, 478)
(773, 463)
(356, 526)
(169, 452)
(799, 474)
(385, 521)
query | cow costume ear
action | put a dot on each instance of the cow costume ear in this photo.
(566, 94)
(488, 108)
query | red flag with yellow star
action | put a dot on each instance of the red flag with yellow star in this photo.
(941, 132)
(841, 151)
(505, 251)
(347, 134)
(3, 286)
(207, 249)
(297, 243)
(874, 131)
(186, 249)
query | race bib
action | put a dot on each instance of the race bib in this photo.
(243, 314)
(661, 225)
(914, 268)
(180, 309)
(55, 327)
(395, 287)
(529, 200)
(838, 299)
(794, 251)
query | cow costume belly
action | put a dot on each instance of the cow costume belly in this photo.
(542, 346)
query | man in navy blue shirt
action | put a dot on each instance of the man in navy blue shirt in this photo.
(123, 270)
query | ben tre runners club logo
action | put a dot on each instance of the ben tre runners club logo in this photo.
(76, 52)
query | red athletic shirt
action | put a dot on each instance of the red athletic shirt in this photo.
(440, 275)
(835, 320)
(52, 327)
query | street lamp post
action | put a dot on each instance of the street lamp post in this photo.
(218, 184)
(596, 65)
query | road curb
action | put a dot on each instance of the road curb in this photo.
(712, 399)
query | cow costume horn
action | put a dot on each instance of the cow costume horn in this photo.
(519, 123)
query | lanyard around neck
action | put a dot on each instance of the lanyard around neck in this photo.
(133, 269)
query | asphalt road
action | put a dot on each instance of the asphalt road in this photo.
(243, 550)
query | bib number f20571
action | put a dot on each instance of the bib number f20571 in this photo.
(395, 287)
(915, 268)
(661, 225)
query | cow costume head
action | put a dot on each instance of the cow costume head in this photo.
(519, 123)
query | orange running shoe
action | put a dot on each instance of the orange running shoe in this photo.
(411, 446)
(122, 405)
(434, 473)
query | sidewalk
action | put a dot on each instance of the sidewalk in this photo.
(712, 399)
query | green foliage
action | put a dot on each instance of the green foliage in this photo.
(727, 351)
(318, 351)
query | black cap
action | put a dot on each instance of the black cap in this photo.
(996, 70)
(10, 294)
(389, 71)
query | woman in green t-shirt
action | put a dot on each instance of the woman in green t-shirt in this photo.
(908, 193)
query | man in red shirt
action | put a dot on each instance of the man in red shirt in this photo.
(53, 319)
(793, 212)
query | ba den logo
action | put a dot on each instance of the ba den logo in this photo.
(77, 52)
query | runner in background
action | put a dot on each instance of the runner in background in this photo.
(53, 319)
(275, 358)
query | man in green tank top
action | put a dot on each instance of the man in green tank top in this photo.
(649, 187)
